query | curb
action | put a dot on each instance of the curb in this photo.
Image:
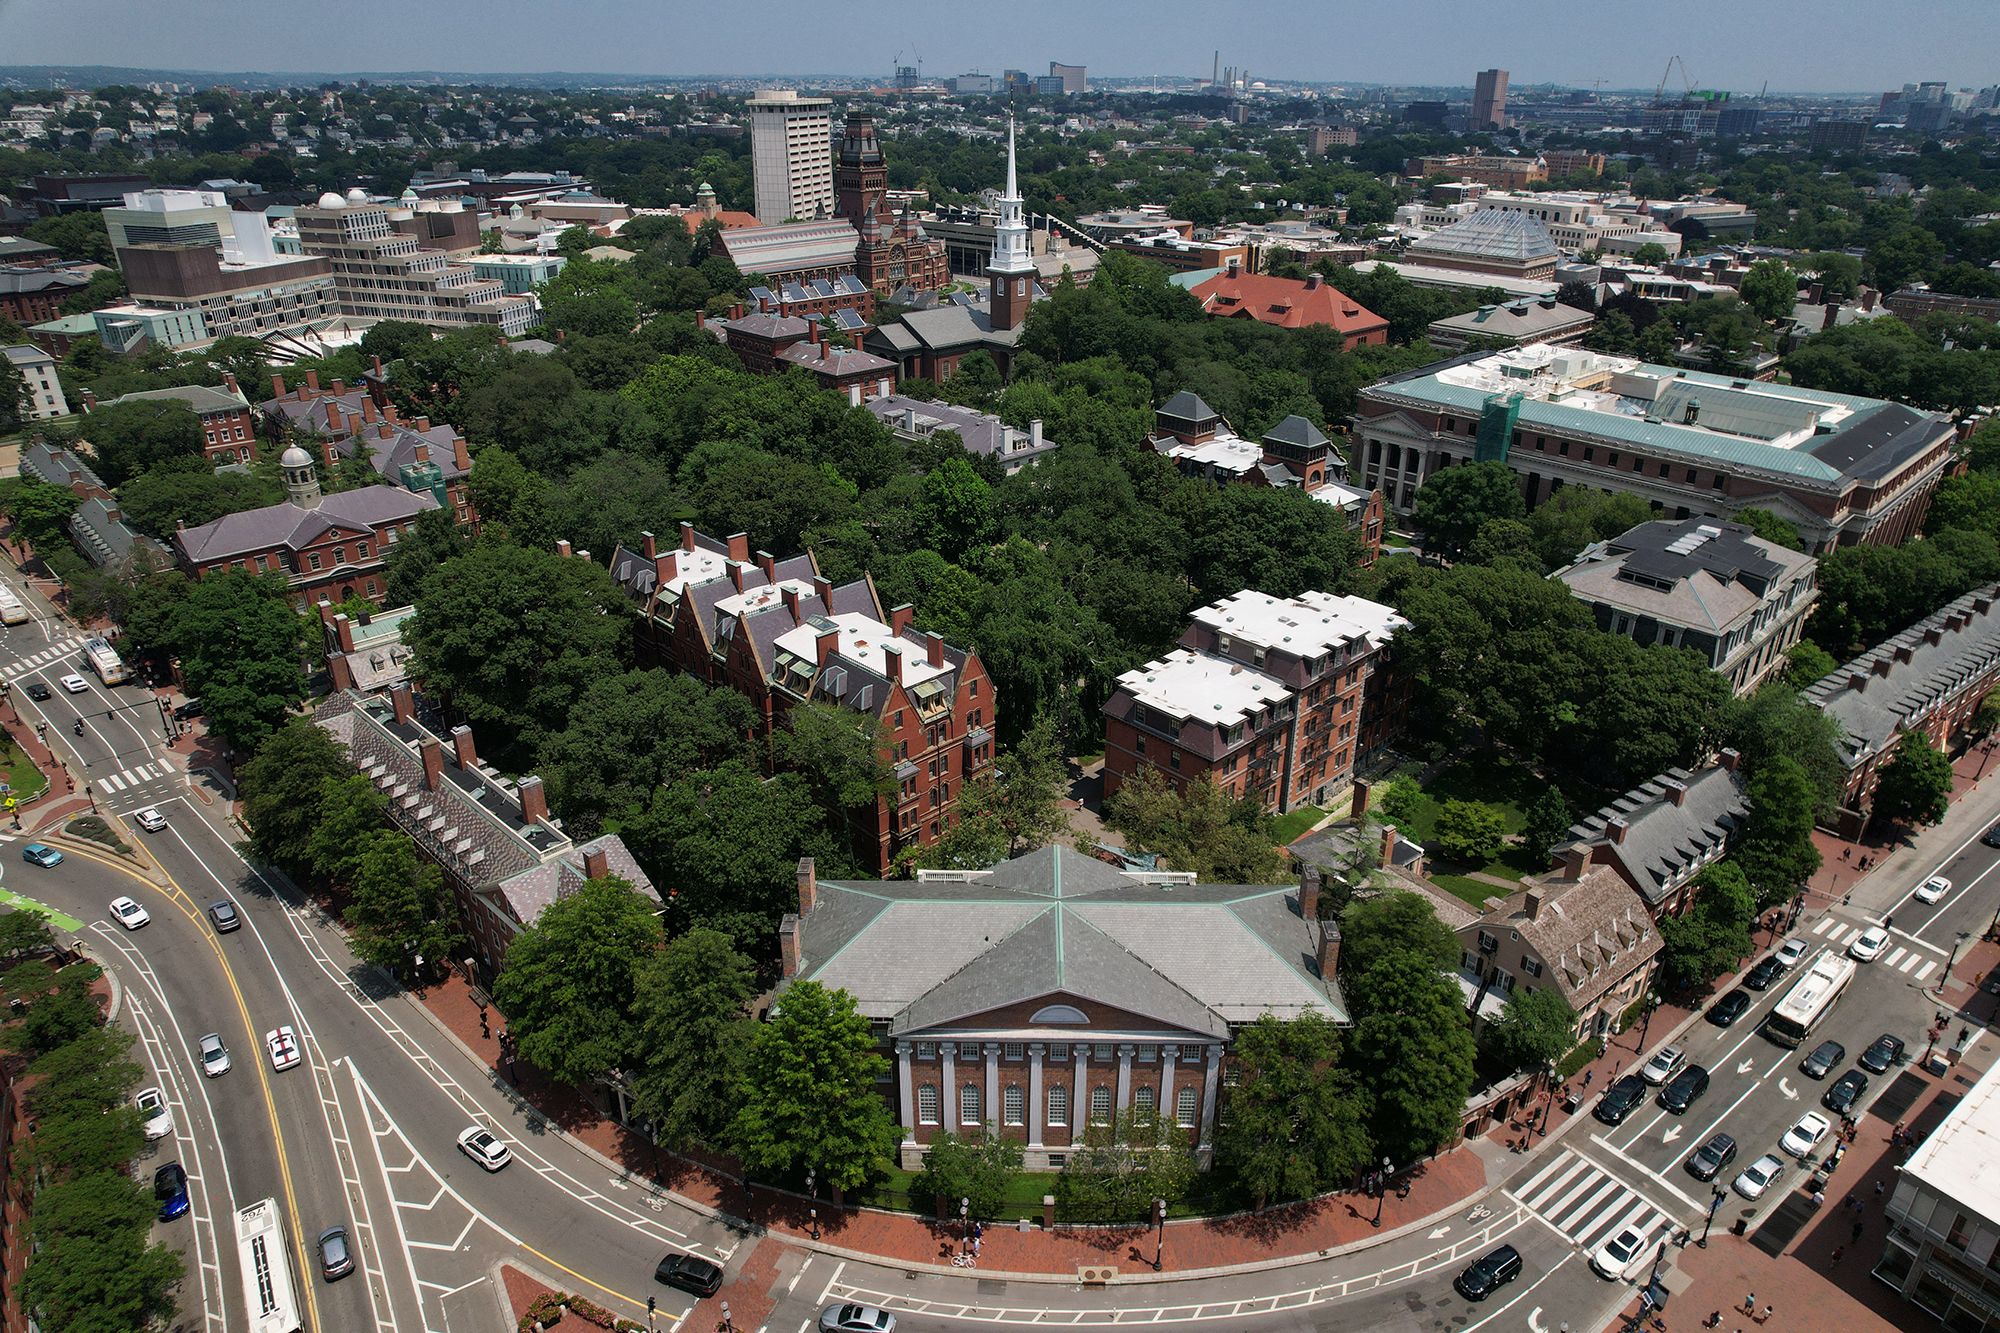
(117, 991)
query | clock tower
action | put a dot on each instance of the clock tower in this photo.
(1011, 270)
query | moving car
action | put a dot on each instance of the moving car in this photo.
(1992, 838)
(39, 692)
(855, 1319)
(170, 1188)
(1489, 1273)
(690, 1273)
(152, 1104)
(1937, 886)
(1883, 1052)
(283, 1044)
(1707, 1161)
(223, 913)
(1759, 1176)
(1823, 1059)
(149, 819)
(1868, 945)
(74, 683)
(1792, 951)
(128, 913)
(1729, 1008)
(1684, 1089)
(38, 854)
(214, 1055)
(1664, 1065)
(1616, 1255)
(1620, 1098)
(1802, 1138)
(336, 1261)
(1846, 1091)
(484, 1147)
(1763, 974)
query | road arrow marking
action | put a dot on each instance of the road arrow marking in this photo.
(618, 1184)
(1785, 1087)
(1673, 1132)
(1746, 1066)
(1535, 1321)
(1440, 1231)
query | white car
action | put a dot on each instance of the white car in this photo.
(1868, 945)
(1792, 951)
(149, 819)
(1616, 1255)
(1802, 1138)
(1759, 1176)
(159, 1119)
(284, 1047)
(128, 913)
(484, 1147)
(1667, 1062)
(1932, 889)
(75, 684)
(214, 1056)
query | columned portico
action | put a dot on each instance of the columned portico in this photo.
(907, 1087)
(1124, 1081)
(948, 1084)
(1208, 1087)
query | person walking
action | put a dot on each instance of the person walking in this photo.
(1750, 1303)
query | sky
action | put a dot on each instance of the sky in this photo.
(1734, 45)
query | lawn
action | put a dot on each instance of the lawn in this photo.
(1290, 827)
(1509, 789)
(24, 780)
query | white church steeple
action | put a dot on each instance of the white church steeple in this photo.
(1011, 269)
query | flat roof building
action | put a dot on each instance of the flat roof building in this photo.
(791, 155)
(1944, 1217)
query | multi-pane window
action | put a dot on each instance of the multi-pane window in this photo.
(1148, 1054)
(1013, 1050)
(1058, 1104)
(926, 1050)
(1184, 1108)
(927, 1104)
(968, 1104)
(1102, 1051)
(1059, 1051)
(1013, 1103)
(1100, 1106)
(1144, 1100)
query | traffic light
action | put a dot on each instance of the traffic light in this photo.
(652, 1304)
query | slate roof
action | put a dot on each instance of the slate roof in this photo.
(1716, 574)
(1186, 405)
(100, 532)
(943, 949)
(953, 326)
(50, 463)
(289, 525)
(785, 247)
(1666, 844)
(1296, 431)
(1590, 932)
(1894, 685)
(27, 281)
(201, 398)
(1518, 321)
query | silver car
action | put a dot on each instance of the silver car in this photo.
(214, 1056)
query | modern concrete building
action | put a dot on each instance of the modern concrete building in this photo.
(1489, 100)
(381, 269)
(791, 155)
(172, 217)
(1075, 78)
(1942, 1238)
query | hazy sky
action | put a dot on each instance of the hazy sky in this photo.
(1797, 45)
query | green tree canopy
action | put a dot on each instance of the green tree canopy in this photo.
(691, 1009)
(1296, 1123)
(282, 785)
(399, 907)
(631, 733)
(1454, 504)
(1771, 528)
(241, 647)
(40, 512)
(809, 1099)
(567, 987)
(977, 1167)
(1381, 926)
(138, 433)
(1707, 940)
(1914, 787)
(1536, 1027)
(1774, 848)
(1470, 832)
(1412, 1052)
(1222, 838)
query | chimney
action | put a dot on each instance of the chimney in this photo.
(823, 590)
(1868, 295)
(650, 545)
(330, 453)
(343, 632)
(402, 702)
(1314, 281)
(1576, 860)
(460, 454)
(1309, 892)
(1677, 792)
(432, 750)
(791, 943)
(1816, 293)
(340, 388)
(368, 410)
(700, 318)
(739, 546)
(812, 332)
(854, 394)
(378, 365)
(383, 430)
(422, 453)
(277, 386)
(1035, 433)
(534, 801)
(736, 311)
(1857, 680)
(1533, 905)
(769, 564)
(312, 381)
(1830, 315)
(666, 567)
(333, 418)
(596, 863)
(1389, 840)
(462, 750)
(562, 548)
(89, 401)
(934, 649)
(1903, 653)
(1329, 950)
(736, 575)
(826, 643)
(1933, 635)
(1618, 828)
(790, 595)
(892, 662)
(389, 411)
(1234, 268)
(808, 877)
(1730, 758)
(900, 618)
(1882, 666)
(342, 673)
(687, 536)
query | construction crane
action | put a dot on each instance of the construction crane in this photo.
(1687, 80)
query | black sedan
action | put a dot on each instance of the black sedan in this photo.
(1620, 1098)
(1825, 1058)
(1992, 838)
(1684, 1089)
(1489, 1273)
(1729, 1008)
(38, 691)
(1846, 1091)
(1886, 1050)
(1767, 971)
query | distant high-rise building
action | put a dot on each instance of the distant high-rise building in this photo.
(791, 155)
(1075, 79)
(1489, 100)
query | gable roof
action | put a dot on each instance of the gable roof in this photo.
(1879, 693)
(1491, 234)
(202, 399)
(1590, 932)
(289, 525)
(1287, 303)
(1666, 841)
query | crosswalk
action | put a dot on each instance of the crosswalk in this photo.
(1913, 962)
(1586, 1204)
(55, 650)
(137, 776)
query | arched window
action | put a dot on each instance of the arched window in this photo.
(1058, 1104)
(1059, 1013)
(1143, 1100)
(927, 1104)
(968, 1104)
(1100, 1106)
(1014, 1104)
(1184, 1112)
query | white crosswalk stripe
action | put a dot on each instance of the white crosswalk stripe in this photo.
(134, 777)
(1824, 924)
(1586, 1204)
(1911, 961)
(1896, 957)
(1930, 966)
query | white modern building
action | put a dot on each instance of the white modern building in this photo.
(42, 394)
(171, 217)
(791, 155)
(1944, 1219)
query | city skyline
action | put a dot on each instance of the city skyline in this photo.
(1804, 46)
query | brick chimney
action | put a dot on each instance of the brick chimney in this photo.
(422, 453)
(1882, 666)
(792, 943)
(1729, 759)
(534, 800)
(808, 877)
(403, 702)
(769, 564)
(1533, 906)
(460, 454)
(1329, 950)
(739, 547)
(826, 643)
(650, 545)
(665, 567)
(1389, 838)
(89, 401)
(823, 589)
(1309, 892)
(462, 750)
(368, 410)
(343, 632)
(1314, 281)
(1676, 790)
(812, 332)
(1576, 860)
(687, 535)
(1362, 789)
(1617, 827)
(277, 386)
(342, 673)
(934, 649)
(432, 750)
(736, 575)
(596, 863)
(892, 662)
(377, 364)
(312, 381)
(790, 595)
(900, 618)
(562, 548)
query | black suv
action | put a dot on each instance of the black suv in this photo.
(1729, 1008)
(1885, 1051)
(690, 1274)
(1767, 971)
(1708, 1160)
(1684, 1089)
(1846, 1091)
(1489, 1274)
(1620, 1098)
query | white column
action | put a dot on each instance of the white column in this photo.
(1079, 1098)
(1208, 1086)
(909, 1106)
(1169, 1115)
(1036, 1108)
(948, 1104)
(1124, 1081)
(991, 1111)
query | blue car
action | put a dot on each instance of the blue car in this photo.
(36, 853)
(170, 1187)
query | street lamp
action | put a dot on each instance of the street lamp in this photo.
(1160, 1239)
(1381, 1193)
(1646, 1016)
(728, 1324)
(1714, 1207)
(1945, 975)
(813, 1214)
(1548, 1077)
(965, 1220)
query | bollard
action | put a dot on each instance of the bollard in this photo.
(1048, 1212)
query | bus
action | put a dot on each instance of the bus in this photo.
(268, 1294)
(1810, 999)
(13, 611)
(106, 662)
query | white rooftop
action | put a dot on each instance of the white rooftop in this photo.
(1961, 1158)
(1305, 626)
(756, 599)
(694, 568)
(1203, 688)
(1228, 452)
(864, 641)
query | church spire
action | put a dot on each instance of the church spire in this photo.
(1011, 269)
(1013, 190)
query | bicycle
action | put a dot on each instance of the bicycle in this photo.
(964, 1261)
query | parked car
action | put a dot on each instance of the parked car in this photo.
(214, 1055)
(128, 913)
(1684, 1089)
(1615, 1255)
(1792, 951)
(149, 819)
(1489, 1273)
(283, 1044)
(192, 708)
(1667, 1062)
(849, 1318)
(1824, 1058)
(1868, 945)
(1707, 1161)
(1845, 1092)
(1766, 971)
(170, 1190)
(1801, 1139)
(38, 854)
(1759, 1176)
(1884, 1051)
(39, 692)
(1937, 886)
(690, 1273)
(1992, 838)
(1729, 1008)
(159, 1117)
(223, 913)
(336, 1260)
(484, 1147)
(1620, 1098)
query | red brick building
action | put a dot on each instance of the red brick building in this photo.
(32, 293)
(772, 344)
(777, 633)
(894, 252)
(356, 421)
(228, 432)
(1289, 303)
(1276, 699)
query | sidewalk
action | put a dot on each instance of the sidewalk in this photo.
(1845, 863)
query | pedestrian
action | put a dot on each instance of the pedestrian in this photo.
(1588, 1075)
(1769, 1310)
(1819, 1198)
(975, 1245)
(1838, 1250)
(1878, 1189)
(1854, 1236)
(1964, 1035)
(1750, 1302)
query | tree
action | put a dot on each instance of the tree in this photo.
(691, 1008)
(64, 1014)
(1777, 720)
(131, 436)
(1454, 504)
(1295, 1122)
(1771, 528)
(1576, 516)
(568, 982)
(1774, 848)
(40, 512)
(1412, 1051)
(1770, 289)
(809, 1098)
(1536, 1028)
(1383, 926)
(1470, 832)
(351, 812)
(240, 644)
(976, 1167)
(1702, 943)
(1915, 785)
(432, 539)
(1652, 254)
(1222, 838)
(1121, 1167)
(1806, 662)
(1021, 802)
(187, 491)
(1549, 821)
(1400, 800)
(838, 753)
(1985, 721)
(281, 788)
(399, 907)
(629, 734)
(24, 935)
(101, 1284)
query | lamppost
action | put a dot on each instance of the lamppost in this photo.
(964, 1220)
(1381, 1193)
(728, 1323)
(1160, 1237)
(813, 1214)
(1658, 1260)
(1714, 1207)
(1945, 975)
(1646, 1016)
(652, 1305)
(1548, 1101)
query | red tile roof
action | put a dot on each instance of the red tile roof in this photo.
(1286, 302)
(730, 218)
